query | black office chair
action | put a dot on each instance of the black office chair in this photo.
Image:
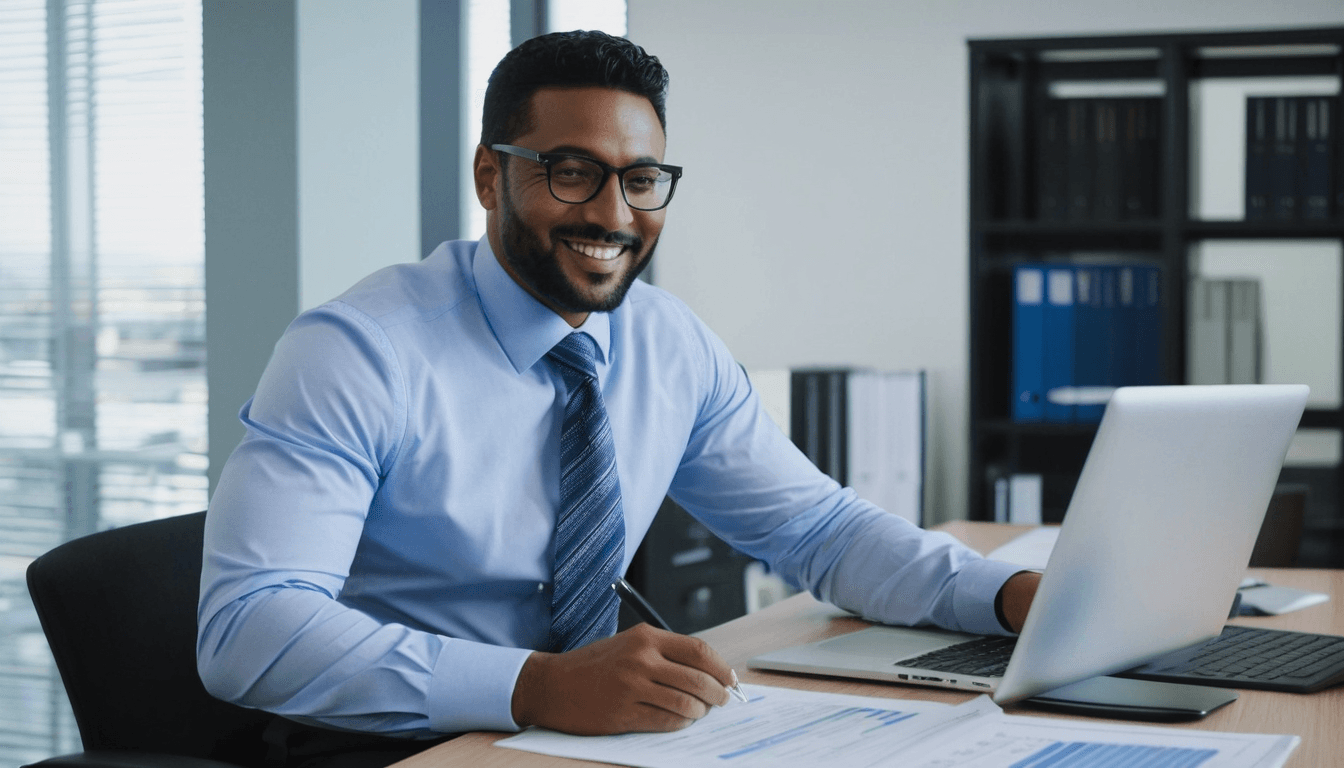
(119, 611)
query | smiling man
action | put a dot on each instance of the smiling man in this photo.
(446, 467)
(587, 240)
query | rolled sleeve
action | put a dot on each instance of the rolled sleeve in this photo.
(472, 687)
(977, 584)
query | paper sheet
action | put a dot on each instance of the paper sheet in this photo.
(775, 727)
(1005, 741)
(787, 728)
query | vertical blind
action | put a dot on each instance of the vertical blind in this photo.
(102, 312)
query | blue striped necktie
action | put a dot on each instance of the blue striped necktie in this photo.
(590, 530)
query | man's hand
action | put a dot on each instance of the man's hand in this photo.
(1017, 593)
(643, 679)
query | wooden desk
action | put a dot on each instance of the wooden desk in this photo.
(1318, 718)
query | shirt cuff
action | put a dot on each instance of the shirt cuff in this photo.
(472, 687)
(978, 583)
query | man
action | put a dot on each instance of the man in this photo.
(392, 547)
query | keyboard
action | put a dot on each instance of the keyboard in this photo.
(1249, 657)
(1241, 657)
(985, 657)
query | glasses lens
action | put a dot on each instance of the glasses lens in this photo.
(574, 180)
(647, 187)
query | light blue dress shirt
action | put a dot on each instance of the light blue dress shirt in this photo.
(378, 552)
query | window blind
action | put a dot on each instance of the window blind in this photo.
(102, 377)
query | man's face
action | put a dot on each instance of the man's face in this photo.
(581, 258)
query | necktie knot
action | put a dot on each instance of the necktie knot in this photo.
(577, 354)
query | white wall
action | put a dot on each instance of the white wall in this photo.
(823, 214)
(358, 141)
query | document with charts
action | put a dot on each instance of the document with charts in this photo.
(782, 727)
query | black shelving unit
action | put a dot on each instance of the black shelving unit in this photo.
(1009, 81)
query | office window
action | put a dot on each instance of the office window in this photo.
(488, 38)
(102, 353)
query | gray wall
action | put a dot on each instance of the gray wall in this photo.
(359, 141)
(823, 214)
(251, 201)
(311, 172)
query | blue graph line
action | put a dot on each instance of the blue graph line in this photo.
(885, 718)
(1081, 753)
(792, 733)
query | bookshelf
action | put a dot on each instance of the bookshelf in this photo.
(1012, 222)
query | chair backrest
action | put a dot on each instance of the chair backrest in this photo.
(119, 611)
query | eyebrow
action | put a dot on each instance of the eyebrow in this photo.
(570, 149)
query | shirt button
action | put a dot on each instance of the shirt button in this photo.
(541, 587)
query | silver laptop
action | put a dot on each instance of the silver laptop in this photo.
(1155, 542)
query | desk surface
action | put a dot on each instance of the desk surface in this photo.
(1318, 718)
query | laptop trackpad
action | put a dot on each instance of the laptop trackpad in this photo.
(892, 643)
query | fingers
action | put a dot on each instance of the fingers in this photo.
(699, 669)
(653, 719)
(692, 683)
(683, 675)
(675, 702)
(694, 653)
(643, 679)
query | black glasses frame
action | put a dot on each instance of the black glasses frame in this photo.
(547, 159)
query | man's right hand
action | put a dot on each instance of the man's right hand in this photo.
(642, 679)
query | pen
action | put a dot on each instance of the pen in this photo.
(646, 612)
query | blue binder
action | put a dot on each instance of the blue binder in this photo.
(1125, 337)
(1059, 339)
(1148, 327)
(1090, 359)
(1028, 334)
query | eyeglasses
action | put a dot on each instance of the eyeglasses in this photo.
(576, 179)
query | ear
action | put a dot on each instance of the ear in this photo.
(486, 173)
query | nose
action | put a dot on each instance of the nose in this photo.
(609, 209)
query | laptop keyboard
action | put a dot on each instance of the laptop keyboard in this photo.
(1249, 656)
(985, 656)
(1257, 655)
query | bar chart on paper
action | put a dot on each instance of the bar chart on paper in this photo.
(1062, 754)
(844, 725)
(774, 728)
(783, 728)
(1010, 741)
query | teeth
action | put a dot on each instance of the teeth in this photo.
(600, 252)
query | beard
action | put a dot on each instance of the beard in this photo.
(540, 270)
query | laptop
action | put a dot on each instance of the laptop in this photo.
(1153, 547)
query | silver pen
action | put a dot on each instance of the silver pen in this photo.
(736, 689)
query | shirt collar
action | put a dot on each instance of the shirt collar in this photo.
(525, 328)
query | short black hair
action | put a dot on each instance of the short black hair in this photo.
(567, 60)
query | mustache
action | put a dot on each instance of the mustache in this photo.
(598, 234)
